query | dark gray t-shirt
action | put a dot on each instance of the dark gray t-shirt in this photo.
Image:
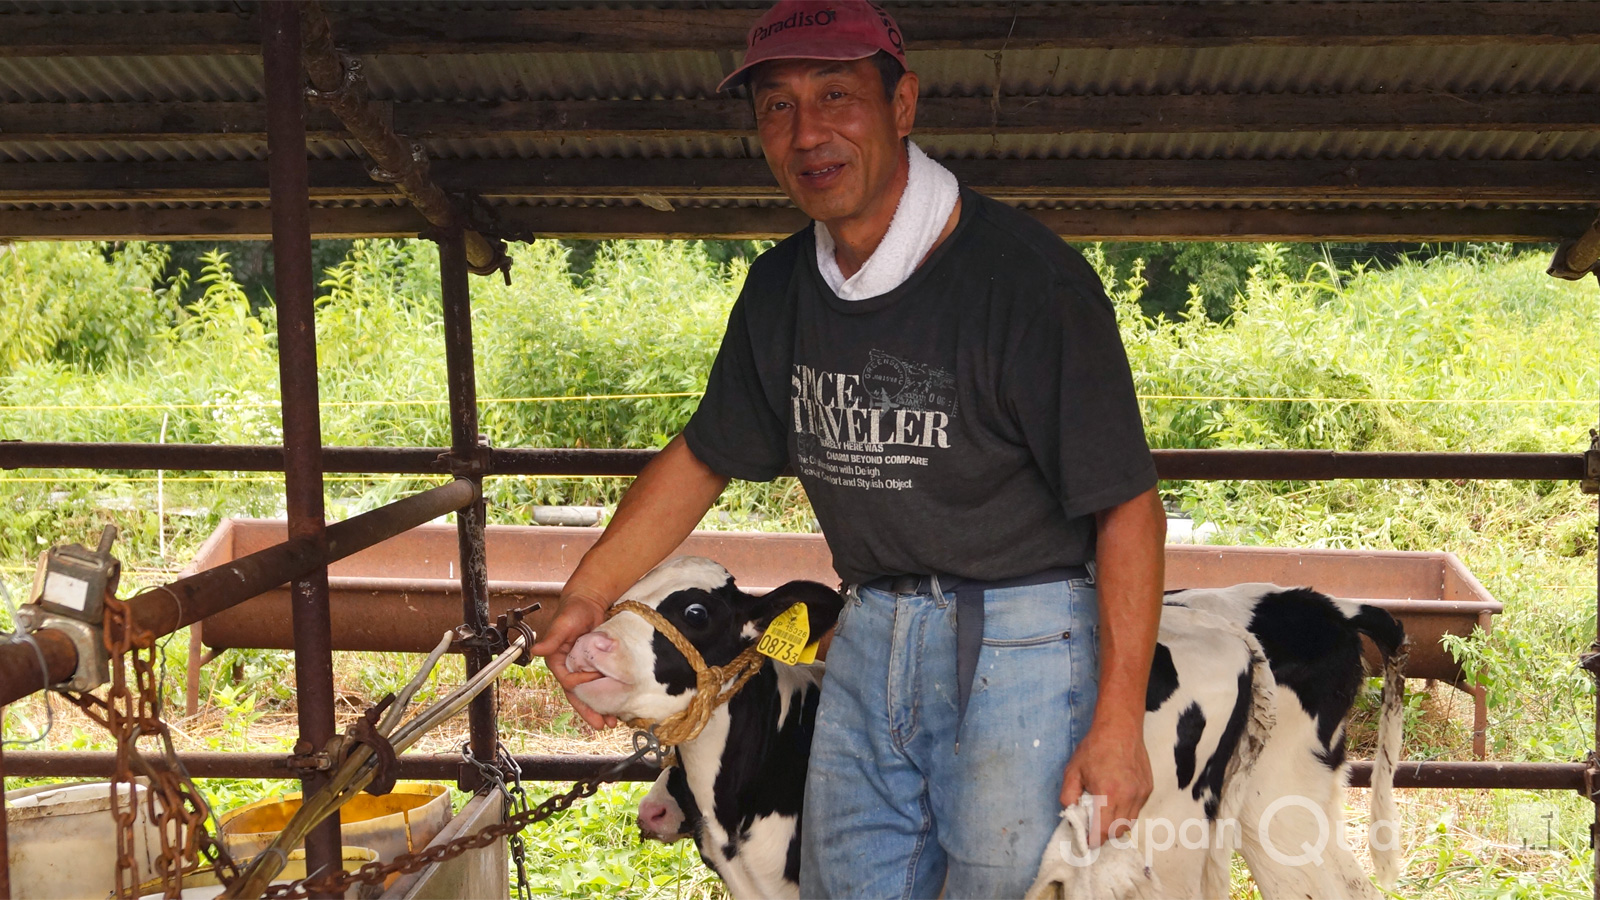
(969, 422)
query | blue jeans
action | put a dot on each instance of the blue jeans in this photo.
(892, 808)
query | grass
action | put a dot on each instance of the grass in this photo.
(1474, 349)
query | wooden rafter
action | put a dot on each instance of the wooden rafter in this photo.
(689, 119)
(367, 30)
(1065, 180)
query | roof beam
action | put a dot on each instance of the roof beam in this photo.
(372, 29)
(155, 223)
(1063, 180)
(772, 222)
(1088, 114)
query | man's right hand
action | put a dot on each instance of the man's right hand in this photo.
(575, 616)
(659, 510)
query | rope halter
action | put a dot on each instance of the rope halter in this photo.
(714, 685)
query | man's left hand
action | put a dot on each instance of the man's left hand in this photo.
(1110, 762)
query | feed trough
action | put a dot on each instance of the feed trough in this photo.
(402, 594)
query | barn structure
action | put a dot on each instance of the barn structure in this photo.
(476, 123)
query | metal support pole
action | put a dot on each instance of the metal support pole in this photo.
(191, 677)
(465, 449)
(5, 847)
(289, 188)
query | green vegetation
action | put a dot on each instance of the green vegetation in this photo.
(1465, 348)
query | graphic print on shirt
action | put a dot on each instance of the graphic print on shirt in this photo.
(871, 430)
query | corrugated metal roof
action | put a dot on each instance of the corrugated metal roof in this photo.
(129, 151)
(669, 75)
(1260, 69)
(1462, 145)
(944, 73)
(1272, 145)
(110, 79)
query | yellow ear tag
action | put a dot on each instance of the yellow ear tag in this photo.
(809, 654)
(786, 638)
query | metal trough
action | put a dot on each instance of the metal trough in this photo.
(403, 593)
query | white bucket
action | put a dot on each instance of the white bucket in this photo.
(63, 841)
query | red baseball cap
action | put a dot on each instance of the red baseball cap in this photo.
(819, 29)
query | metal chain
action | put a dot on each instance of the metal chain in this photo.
(516, 802)
(647, 749)
(175, 806)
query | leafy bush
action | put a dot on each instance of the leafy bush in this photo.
(1472, 348)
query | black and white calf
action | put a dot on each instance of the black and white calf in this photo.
(737, 787)
(1282, 803)
(1313, 644)
(1226, 744)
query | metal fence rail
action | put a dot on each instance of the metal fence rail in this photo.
(544, 767)
(1173, 465)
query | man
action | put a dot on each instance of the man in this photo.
(946, 378)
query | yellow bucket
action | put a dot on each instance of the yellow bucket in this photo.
(402, 821)
(203, 884)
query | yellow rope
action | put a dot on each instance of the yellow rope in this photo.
(274, 404)
(247, 479)
(276, 479)
(1396, 400)
(714, 685)
(584, 398)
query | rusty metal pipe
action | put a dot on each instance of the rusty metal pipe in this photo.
(461, 376)
(288, 182)
(340, 85)
(444, 766)
(1173, 465)
(1319, 465)
(1594, 827)
(5, 846)
(208, 764)
(163, 610)
(1576, 258)
(1520, 776)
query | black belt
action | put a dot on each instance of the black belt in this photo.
(969, 614)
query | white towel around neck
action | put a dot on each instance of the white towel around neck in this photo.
(925, 205)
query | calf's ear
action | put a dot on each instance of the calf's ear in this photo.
(823, 605)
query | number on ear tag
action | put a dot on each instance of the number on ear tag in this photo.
(785, 639)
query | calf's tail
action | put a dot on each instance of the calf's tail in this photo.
(1383, 833)
(1258, 725)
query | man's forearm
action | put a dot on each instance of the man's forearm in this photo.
(660, 509)
(1130, 574)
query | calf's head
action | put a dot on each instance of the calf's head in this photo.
(644, 676)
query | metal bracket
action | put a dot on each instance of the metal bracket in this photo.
(419, 162)
(474, 462)
(304, 760)
(1590, 483)
(353, 88)
(498, 262)
(509, 623)
(94, 660)
(365, 731)
(494, 639)
(1590, 661)
(1591, 774)
(69, 594)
